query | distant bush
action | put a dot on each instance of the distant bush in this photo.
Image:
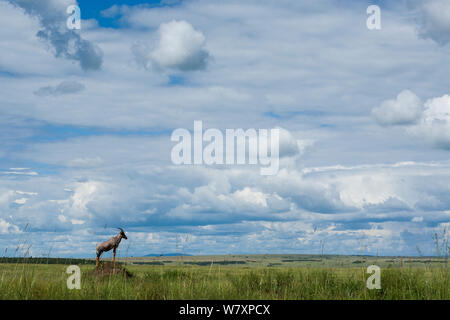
(68, 261)
(207, 263)
(295, 260)
(150, 263)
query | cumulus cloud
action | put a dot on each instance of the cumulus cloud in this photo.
(434, 125)
(428, 122)
(179, 47)
(64, 43)
(212, 203)
(289, 146)
(433, 18)
(242, 204)
(84, 193)
(250, 196)
(405, 109)
(65, 87)
(7, 228)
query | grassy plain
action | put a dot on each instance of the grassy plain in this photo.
(231, 277)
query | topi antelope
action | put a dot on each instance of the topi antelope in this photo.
(112, 243)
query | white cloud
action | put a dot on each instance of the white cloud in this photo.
(229, 200)
(21, 200)
(433, 17)
(65, 87)
(262, 60)
(429, 122)
(405, 109)
(361, 190)
(434, 125)
(84, 191)
(288, 145)
(25, 173)
(77, 221)
(8, 228)
(26, 193)
(179, 47)
(64, 42)
(251, 196)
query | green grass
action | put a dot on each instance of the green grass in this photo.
(235, 281)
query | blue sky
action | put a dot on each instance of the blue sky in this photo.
(93, 9)
(86, 118)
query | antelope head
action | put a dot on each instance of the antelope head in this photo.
(122, 233)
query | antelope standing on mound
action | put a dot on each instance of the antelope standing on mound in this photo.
(112, 243)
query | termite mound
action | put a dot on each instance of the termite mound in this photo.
(106, 268)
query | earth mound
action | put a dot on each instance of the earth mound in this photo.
(106, 268)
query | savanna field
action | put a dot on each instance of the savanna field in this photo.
(229, 277)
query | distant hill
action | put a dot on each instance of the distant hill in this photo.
(170, 254)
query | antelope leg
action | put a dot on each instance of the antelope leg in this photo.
(114, 261)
